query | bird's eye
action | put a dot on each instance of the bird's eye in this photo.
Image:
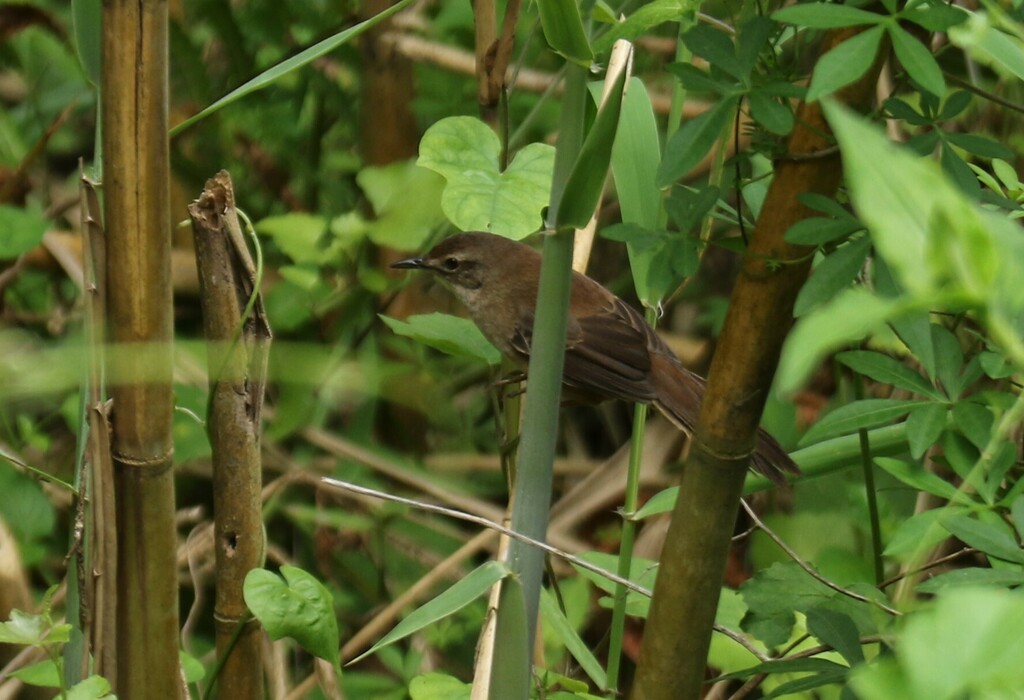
(451, 264)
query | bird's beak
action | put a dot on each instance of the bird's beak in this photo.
(410, 264)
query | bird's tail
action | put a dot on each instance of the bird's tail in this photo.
(679, 395)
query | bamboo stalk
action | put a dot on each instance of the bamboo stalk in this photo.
(237, 345)
(136, 165)
(679, 624)
(101, 588)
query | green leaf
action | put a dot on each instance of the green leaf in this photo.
(887, 370)
(1006, 174)
(296, 605)
(949, 359)
(23, 230)
(832, 274)
(835, 676)
(635, 157)
(687, 206)
(659, 259)
(44, 674)
(25, 507)
(773, 115)
(975, 421)
(901, 110)
(866, 413)
(465, 591)
(916, 477)
(979, 145)
(809, 665)
(299, 235)
(825, 205)
(691, 143)
(935, 17)
(957, 169)
(973, 577)
(92, 688)
(996, 365)
(924, 426)
(993, 539)
(696, 80)
(191, 667)
(1017, 515)
(965, 645)
(1003, 459)
(940, 247)
(402, 222)
(845, 63)
(848, 317)
(478, 197)
(449, 334)
(643, 18)
(990, 45)
(26, 629)
(662, 502)
(917, 60)
(754, 34)
(819, 15)
(438, 686)
(86, 16)
(774, 594)
(918, 533)
(838, 631)
(557, 622)
(818, 230)
(297, 61)
(642, 572)
(586, 179)
(716, 47)
(915, 330)
(563, 29)
(510, 676)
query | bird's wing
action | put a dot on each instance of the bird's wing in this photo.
(606, 354)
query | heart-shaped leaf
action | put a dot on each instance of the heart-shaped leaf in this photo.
(479, 196)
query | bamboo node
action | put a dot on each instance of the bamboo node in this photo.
(165, 459)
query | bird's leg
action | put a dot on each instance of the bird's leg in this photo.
(514, 377)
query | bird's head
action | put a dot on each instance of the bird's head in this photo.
(465, 261)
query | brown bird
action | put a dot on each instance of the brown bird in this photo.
(611, 351)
